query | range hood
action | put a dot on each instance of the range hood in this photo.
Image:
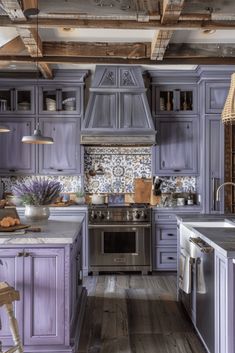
(118, 112)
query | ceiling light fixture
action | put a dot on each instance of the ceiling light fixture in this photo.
(4, 128)
(209, 31)
(37, 137)
(228, 113)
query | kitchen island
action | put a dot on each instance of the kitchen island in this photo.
(212, 293)
(46, 268)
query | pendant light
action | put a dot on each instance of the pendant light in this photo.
(37, 137)
(228, 113)
(4, 128)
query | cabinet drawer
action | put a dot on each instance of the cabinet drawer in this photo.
(166, 258)
(165, 234)
(164, 217)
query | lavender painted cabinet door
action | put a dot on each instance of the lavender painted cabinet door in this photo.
(17, 157)
(11, 271)
(216, 94)
(176, 150)
(64, 156)
(44, 297)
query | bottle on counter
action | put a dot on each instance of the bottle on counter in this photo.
(189, 199)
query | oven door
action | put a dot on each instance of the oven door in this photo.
(119, 246)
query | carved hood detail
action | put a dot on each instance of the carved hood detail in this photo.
(118, 112)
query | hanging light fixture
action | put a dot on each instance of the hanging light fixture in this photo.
(228, 113)
(4, 128)
(37, 137)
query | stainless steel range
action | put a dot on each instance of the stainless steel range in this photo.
(119, 238)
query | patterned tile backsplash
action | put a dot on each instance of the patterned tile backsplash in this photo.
(113, 170)
(70, 183)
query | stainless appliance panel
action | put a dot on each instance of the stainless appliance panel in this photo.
(124, 246)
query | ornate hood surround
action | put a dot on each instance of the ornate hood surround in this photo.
(118, 112)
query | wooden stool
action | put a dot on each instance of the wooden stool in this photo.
(7, 296)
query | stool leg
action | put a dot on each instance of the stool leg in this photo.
(0, 346)
(14, 327)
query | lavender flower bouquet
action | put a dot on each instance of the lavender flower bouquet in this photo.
(37, 192)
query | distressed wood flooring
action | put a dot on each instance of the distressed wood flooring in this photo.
(136, 314)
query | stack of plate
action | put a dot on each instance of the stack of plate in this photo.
(69, 103)
(50, 104)
(24, 106)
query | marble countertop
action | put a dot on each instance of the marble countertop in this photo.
(200, 217)
(54, 231)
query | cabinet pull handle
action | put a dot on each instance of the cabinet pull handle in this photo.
(170, 258)
(59, 170)
(170, 234)
(20, 254)
(163, 164)
(13, 170)
(26, 254)
(177, 170)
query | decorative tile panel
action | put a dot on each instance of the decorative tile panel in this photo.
(70, 183)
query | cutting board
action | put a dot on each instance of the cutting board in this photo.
(143, 188)
(13, 228)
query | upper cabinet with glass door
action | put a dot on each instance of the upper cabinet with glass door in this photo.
(17, 100)
(60, 100)
(169, 99)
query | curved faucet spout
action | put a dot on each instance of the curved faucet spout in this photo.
(217, 192)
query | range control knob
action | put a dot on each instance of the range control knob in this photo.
(143, 215)
(137, 215)
(129, 216)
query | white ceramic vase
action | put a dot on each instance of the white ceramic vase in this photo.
(37, 213)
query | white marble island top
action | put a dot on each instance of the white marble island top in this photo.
(54, 231)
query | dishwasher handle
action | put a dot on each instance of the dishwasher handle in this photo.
(201, 245)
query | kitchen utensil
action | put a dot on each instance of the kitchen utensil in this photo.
(143, 187)
(97, 199)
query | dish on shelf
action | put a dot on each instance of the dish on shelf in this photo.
(23, 106)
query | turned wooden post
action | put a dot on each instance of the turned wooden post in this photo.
(7, 296)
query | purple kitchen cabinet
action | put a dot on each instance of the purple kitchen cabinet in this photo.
(64, 156)
(52, 298)
(216, 94)
(18, 157)
(177, 145)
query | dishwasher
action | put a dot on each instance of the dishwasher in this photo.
(203, 255)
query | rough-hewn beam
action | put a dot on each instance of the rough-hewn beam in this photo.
(33, 44)
(171, 11)
(170, 15)
(80, 49)
(13, 10)
(159, 44)
(31, 40)
(14, 46)
(197, 50)
(118, 24)
(94, 60)
(45, 70)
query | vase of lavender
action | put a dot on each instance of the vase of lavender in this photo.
(36, 195)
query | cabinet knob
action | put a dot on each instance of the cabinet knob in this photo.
(170, 234)
(20, 254)
(170, 258)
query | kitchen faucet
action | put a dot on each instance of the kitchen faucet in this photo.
(217, 192)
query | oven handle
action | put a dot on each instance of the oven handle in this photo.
(94, 226)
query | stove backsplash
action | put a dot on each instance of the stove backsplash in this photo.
(113, 170)
(70, 183)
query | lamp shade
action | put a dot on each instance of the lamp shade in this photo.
(228, 113)
(4, 128)
(37, 138)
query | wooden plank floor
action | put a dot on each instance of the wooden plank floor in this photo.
(135, 314)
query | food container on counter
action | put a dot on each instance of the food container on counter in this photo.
(97, 199)
(180, 201)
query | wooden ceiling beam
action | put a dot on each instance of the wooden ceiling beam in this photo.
(170, 15)
(188, 24)
(14, 46)
(13, 10)
(200, 50)
(91, 49)
(33, 44)
(147, 61)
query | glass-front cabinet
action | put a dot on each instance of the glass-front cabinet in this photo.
(172, 99)
(60, 100)
(20, 100)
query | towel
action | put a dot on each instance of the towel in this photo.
(201, 284)
(185, 272)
